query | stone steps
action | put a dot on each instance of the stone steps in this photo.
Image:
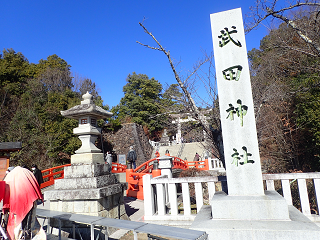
(189, 150)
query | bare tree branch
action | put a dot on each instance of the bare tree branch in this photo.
(261, 12)
(177, 77)
(294, 26)
(216, 139)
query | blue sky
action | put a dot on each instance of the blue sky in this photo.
(98, 38)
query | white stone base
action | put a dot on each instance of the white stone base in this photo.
(86, 170)
(299, 227)
(271, 206)
(85, 183)
(85, 158)
(82, 194)
(111, 206)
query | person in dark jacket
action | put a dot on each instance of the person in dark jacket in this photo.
(37, 173)
(132, 157)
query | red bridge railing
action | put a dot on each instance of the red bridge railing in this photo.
(133, 176)
(118, 168)
(51, 174)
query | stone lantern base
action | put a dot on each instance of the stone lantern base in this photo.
(88, 188)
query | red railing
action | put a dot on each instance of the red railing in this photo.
(133, 177)
(146, 167)
(200, 165)
(135, 184)
(118, 168)
(51, 174)
(179, 163)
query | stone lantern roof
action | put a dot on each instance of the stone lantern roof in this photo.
(86, 108)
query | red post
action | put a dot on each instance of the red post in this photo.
(206, 166)
(129, 177)
(156, 171)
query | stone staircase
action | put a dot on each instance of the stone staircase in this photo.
(188, 151)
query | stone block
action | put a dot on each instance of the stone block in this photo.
(56, 205)
(87, 158)
(117, 199)
(104, 213)
(101, 207)
(115, 212)
(106, 202)
(298, 227)
(82, 194)
(90, 206)
(111, 190)
(271, 206)
(239, 134)
(86, 170)
(85, 183)
(67, 206)
(121, 177)
(78, 206)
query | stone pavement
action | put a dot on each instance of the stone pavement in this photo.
(135, 211)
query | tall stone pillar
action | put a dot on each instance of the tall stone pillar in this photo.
(247, 212)
(242, 158)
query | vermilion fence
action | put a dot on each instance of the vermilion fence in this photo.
(49, 175)
(133, 176)
(118, 168)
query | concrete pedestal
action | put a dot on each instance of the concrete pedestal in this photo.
(270, 206)
(88, 188)
(165, 164)
(297, 227)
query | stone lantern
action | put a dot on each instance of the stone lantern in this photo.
(87, 115)
(88, 186)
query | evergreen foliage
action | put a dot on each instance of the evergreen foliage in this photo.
(31, 97)
(144, 104)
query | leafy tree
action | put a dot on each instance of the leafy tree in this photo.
(32, 96)
(52, 61)
(13, 77)
(172, 99)
(54, 73)
(141, 101)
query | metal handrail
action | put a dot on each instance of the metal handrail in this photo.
(92, 221)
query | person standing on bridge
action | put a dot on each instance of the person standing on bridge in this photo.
(196, 157)
(132, 157)
(167, 153)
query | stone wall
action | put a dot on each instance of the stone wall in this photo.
(131, 134)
